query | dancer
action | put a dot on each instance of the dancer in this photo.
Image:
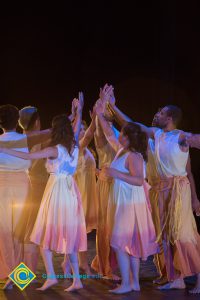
(132, 233)
(86, 180)
(29, 120)
(178, 232)
(60, 223)
(85, 177)
(14, 191)
(101, 262)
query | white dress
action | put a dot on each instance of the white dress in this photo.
(60, 224)
(129, 217)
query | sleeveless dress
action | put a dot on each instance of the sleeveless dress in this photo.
(14, 201)
(86, 180)
(60, 224)
(129, 217)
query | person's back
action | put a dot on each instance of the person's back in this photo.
(18, 142)
(65, 163)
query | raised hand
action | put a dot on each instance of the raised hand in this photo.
(106, 93)
(81, 99)
(93, 113)
(74, 107)
(112, 99)
(99, 107)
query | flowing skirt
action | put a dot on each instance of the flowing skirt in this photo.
(60, 224)
(86, 181)
(130, 222)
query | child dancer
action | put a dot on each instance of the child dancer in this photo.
(60, 224)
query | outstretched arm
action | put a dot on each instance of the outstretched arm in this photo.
(123, 119)
(108, 99)
(194, 140)
(195, 200)
(50, 152)
(38, 137)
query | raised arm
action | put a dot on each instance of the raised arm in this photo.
(50, 152)
(108, 99)
(107, 129)
(88, 136)
(195, 200)
(73, 111)
(123, 119)
(78, 119)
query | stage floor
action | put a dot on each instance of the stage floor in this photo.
(97, 288)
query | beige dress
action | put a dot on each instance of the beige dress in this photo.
(86, 180)
(101, 262)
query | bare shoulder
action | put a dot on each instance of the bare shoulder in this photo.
(135, 157)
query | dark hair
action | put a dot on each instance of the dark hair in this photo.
(35, 116)
(175, 113)
(9, 115)
(137, 139)
(62, 133)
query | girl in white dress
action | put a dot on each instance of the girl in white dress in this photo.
(60, 224)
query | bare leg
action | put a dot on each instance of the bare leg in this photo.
(196, 289)
(135, 268)
(76, 285)
(83, 262)
(124, 264)
(66, 266)
(51, 277)
(177, 284)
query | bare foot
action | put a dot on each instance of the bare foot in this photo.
(122, 289)
(135, 286)
(8, 285)
(160, 280)
(74, 287)
(86, 269)
(112, 277)
(48, 283)
(195, 290)
(177, 284)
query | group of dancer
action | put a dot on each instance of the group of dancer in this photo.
(140, 200)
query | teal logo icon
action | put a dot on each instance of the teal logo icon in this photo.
(22, 276)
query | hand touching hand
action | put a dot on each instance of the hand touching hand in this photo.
(99, 107)
(106, 93)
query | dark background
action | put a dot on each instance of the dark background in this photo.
(149, 51)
